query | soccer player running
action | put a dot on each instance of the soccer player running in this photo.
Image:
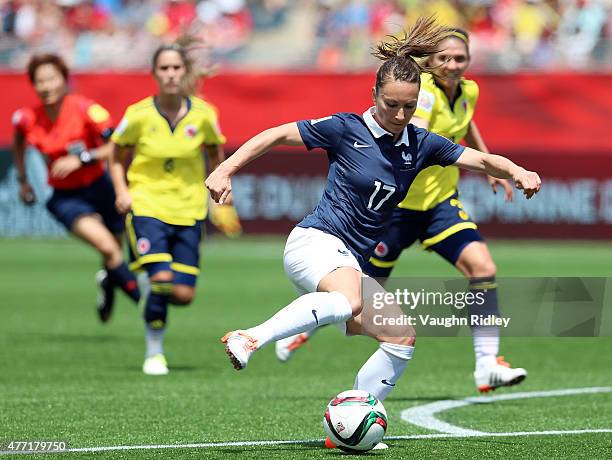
(432, 213)
(374, 158)
(165, 201)
(72, 132)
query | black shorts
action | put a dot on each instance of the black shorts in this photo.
(96, 198)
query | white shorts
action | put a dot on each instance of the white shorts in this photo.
(311, 254)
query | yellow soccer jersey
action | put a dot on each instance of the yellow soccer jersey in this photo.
(437, 183)
(166, 176)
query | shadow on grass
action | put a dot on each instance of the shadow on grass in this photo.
(173, 369)
(300, 448)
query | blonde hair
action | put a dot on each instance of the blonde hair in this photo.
(404, 57)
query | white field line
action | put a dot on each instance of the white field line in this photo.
(499, 435)
(205, 445)
(457, 432)
(425, 416)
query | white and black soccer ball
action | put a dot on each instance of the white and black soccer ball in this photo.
(355, 421)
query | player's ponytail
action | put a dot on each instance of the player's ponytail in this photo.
(403, 57)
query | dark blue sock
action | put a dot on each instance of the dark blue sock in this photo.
(156, 311)
(484, 288)
(156, 308)
(125, 279)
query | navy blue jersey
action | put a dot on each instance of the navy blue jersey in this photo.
(369, 174)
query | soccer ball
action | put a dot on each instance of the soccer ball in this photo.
(355, 421)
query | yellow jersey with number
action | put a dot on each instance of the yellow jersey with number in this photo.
(437, 183)
(166, 176)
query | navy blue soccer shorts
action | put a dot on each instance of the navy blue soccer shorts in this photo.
(446, 229)
(157, 246)
(96, 198)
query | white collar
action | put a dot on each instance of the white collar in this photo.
(378, 131)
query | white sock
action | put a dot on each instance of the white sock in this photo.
(154, 340)
(303, 314)
(381, 372)
(486, 346)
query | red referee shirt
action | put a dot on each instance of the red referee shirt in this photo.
(80, 122)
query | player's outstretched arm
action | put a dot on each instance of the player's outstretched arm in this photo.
(219, 181)
(502, 168)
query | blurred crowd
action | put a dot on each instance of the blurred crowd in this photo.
(504, 35)
(334, 35)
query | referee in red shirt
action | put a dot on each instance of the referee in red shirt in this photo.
(72, 132)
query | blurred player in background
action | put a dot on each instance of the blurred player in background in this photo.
(163, 197)
(72, 132)
(373, 160)
(432, 213)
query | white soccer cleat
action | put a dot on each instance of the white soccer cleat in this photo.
(498, 375)
(287, 346)
(155, 365)
(239, 346)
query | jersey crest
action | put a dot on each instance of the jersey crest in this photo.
(190, 130)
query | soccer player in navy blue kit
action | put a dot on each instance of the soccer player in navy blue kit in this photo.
(373, 158)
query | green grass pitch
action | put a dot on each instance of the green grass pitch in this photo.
(66, 377)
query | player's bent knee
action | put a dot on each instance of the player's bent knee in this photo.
(182, 295)
(483, 268)
(478, 264)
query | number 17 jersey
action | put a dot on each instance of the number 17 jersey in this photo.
(369, 174)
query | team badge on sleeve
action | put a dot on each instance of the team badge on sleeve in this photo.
(426, 100)
(97, 113)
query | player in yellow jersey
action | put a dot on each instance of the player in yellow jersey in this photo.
(164, 197)
(433, 214)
